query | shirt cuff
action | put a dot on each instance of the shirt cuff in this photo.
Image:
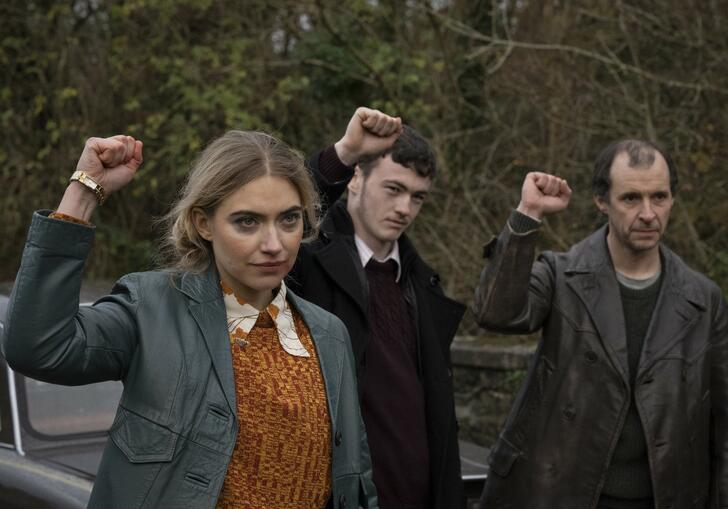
(331, 167)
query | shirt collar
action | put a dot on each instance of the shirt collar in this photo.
(241, 317)
(366, 254)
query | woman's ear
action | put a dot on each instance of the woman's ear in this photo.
(202, 223)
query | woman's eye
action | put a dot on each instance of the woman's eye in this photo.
(246, 221)
(291, 219)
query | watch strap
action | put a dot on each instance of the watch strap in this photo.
(83, 178)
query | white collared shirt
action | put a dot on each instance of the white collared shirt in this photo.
(366, 254)
(241, 318)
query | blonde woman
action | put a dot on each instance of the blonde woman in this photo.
(237, 393)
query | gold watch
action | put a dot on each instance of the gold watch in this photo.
(86, 180)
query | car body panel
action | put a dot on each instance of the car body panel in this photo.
(26, 483)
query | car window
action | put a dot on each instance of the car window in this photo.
(56, 410)
(61, 410)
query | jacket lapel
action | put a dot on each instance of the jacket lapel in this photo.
(339, 258)
(678, 307)
(591, 276)
(339, 263)
(208, 310)
(330, 349)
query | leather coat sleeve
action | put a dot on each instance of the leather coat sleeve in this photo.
(46, 335)
(719, 397)
(514, 293)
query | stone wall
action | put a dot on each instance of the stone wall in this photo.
(487, 373)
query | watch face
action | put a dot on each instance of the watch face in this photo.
(88, 181)
(83, 178)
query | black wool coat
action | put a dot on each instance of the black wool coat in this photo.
(328, 272)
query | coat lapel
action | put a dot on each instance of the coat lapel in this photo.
(591, 276)
(208, 309)
(329, 348)
(339, 258)
(339, 263)
(678, 307)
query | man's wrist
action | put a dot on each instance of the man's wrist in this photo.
(345, 155)
(533, 213)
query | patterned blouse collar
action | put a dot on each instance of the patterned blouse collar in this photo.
(241, 318)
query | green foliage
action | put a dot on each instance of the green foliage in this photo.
(500, 88)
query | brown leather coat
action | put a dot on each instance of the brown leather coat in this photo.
(556, 445)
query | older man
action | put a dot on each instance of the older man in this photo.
(625, 405)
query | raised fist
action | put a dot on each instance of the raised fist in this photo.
(543, 194)
(369, 132)
(111, 162)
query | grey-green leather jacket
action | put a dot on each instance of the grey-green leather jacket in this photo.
(164, 335)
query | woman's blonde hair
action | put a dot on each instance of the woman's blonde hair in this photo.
(228, 163)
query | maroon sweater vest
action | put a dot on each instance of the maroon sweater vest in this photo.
(393, 403)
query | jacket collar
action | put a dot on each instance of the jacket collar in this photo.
(337, 220)
(590, 274)
(206, 305)
(201, 286)
(339, 258)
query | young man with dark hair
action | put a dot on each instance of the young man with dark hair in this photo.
(626, 402)
(367, 272)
